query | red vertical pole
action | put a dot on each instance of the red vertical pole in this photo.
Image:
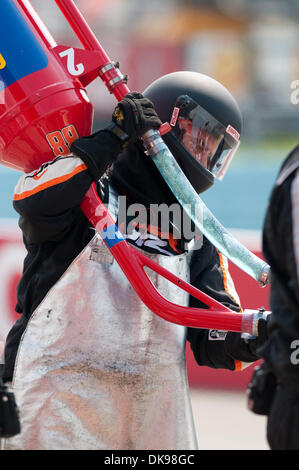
(113, 79)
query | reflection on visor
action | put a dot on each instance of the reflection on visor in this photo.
(205, 138)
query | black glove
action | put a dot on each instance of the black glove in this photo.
(255, 344)
(261, 390)
(134, 115)
(247, 349)
(9, 415)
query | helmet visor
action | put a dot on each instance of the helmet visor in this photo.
(204, 137)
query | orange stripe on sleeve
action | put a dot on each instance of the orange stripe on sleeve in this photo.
(225, 280)
(48, 184)
(223, 273)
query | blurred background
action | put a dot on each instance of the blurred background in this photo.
(251, 47)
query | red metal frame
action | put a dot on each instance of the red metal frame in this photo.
(132, 262)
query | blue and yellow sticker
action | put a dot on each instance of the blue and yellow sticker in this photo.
(112, 235)
(2, 62)
(20, 52)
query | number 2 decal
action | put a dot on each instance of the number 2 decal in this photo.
(60, 141)
(74, 69)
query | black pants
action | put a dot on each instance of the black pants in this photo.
(283, 421)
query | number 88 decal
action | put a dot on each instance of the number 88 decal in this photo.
(60, 141)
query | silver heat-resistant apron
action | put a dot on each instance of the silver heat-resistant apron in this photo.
(97, 370)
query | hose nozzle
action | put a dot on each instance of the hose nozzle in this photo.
(250, 320)
(264, 275)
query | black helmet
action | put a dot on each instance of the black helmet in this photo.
(206, 124)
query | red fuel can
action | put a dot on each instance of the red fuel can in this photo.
(43, 103)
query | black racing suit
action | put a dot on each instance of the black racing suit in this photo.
(281, 351)
(55, 231)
